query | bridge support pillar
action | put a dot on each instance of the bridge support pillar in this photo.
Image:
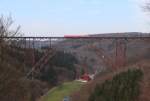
(120, 55)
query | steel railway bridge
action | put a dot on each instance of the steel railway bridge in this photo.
(32, 43)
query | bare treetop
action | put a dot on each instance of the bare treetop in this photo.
(5, 25)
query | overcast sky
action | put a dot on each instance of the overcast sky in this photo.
(63, 17)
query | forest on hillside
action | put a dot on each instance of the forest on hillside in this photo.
(15, 65)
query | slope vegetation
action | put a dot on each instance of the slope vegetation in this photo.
(105, 81)
(123, 87)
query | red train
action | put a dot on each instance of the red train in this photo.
(75, 36)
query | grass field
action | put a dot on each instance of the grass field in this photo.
(58, 93)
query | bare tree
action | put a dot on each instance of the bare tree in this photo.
(6, 31)
(146, 6)
(5, 25)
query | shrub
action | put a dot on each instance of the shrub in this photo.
(123, 87)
